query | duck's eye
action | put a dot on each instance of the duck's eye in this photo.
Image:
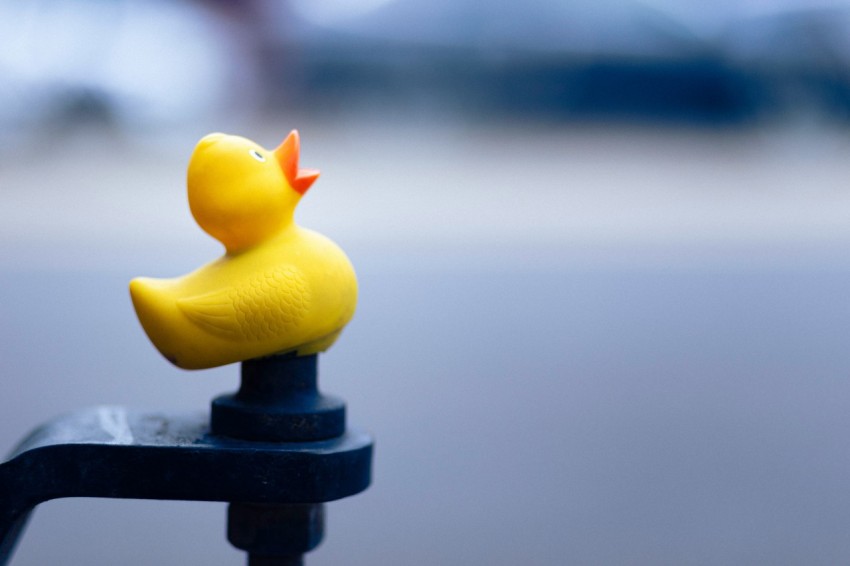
(257, 155)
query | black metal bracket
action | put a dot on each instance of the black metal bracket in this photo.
(276, 487)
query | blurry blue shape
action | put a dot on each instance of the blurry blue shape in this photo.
(689, 90)
(723, 63)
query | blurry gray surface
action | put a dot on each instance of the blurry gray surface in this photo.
(599, 347)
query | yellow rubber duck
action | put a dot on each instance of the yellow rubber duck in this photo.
(279, 288)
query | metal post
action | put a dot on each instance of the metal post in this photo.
(278, 401)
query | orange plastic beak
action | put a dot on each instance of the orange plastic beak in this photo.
(287, 155)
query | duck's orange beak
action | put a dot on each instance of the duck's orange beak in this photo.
(287, 155)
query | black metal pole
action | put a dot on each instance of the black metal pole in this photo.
(254, 560)
(278, 401)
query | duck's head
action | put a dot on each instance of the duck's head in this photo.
(242, 194)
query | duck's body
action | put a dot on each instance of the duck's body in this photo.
(292, 294)
(290, 290)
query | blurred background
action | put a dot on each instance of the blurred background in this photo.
(603, 249)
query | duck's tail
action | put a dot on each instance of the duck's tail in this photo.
(155, 309)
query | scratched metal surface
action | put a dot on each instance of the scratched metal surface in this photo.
(654, 372)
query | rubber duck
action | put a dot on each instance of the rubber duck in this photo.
(279, 288)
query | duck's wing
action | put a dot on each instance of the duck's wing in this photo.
(257, 308)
